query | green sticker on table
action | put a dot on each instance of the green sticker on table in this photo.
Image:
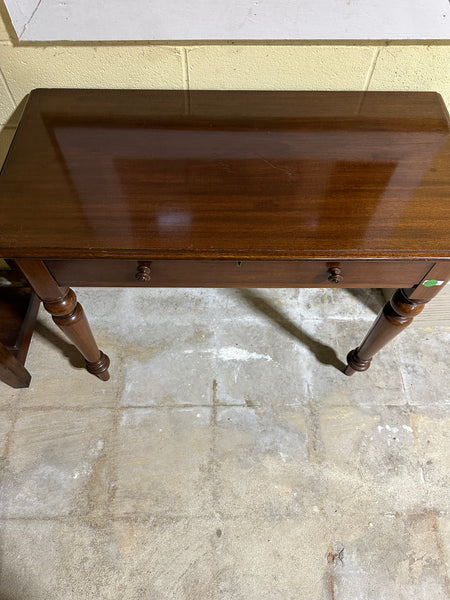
(430, 282)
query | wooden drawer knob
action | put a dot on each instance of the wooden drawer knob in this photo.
(143, 273)
(334, 275)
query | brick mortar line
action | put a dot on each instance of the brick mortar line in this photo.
(5, 82)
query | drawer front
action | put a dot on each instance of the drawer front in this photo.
(208, 273)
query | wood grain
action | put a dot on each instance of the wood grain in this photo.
(227, 175)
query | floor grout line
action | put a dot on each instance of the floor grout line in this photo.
(144, 517)
(280, 405)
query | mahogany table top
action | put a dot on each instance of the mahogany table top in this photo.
(227, 175)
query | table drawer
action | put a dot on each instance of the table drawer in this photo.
(224, 273)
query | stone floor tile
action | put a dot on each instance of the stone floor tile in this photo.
(65, 559)
(56, 463)
(308, 304)
(431, 431)
(383, 382)
(259, 365)
(371, 459)
(9, 396)
(131, 313)
(5, 427)
(323, 359)
(423, 354)
(316, 557)
(443, 530)
(262, 465)
(266, 559)
(396, 556)
(256, 305)
(166, 559)
(176, 368)
(163, 462)
(58, 375)
(286, 462)
(53, 559)
(292, 306)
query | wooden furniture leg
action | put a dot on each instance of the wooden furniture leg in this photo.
(397, 314)
(19, 306)
(67, 313)
(12, 371)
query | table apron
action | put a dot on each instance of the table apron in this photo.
(232, 273)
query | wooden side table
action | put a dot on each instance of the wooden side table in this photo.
(229, 189)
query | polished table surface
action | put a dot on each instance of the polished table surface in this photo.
(174, 174)
(241, 188)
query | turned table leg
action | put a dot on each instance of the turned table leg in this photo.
(67, 313)
(397, 314)
(394, 317)
(12, 371)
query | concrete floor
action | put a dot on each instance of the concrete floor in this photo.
(228, 457)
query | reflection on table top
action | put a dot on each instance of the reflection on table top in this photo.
(175, 174)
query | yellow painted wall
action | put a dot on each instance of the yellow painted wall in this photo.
(277, 65)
